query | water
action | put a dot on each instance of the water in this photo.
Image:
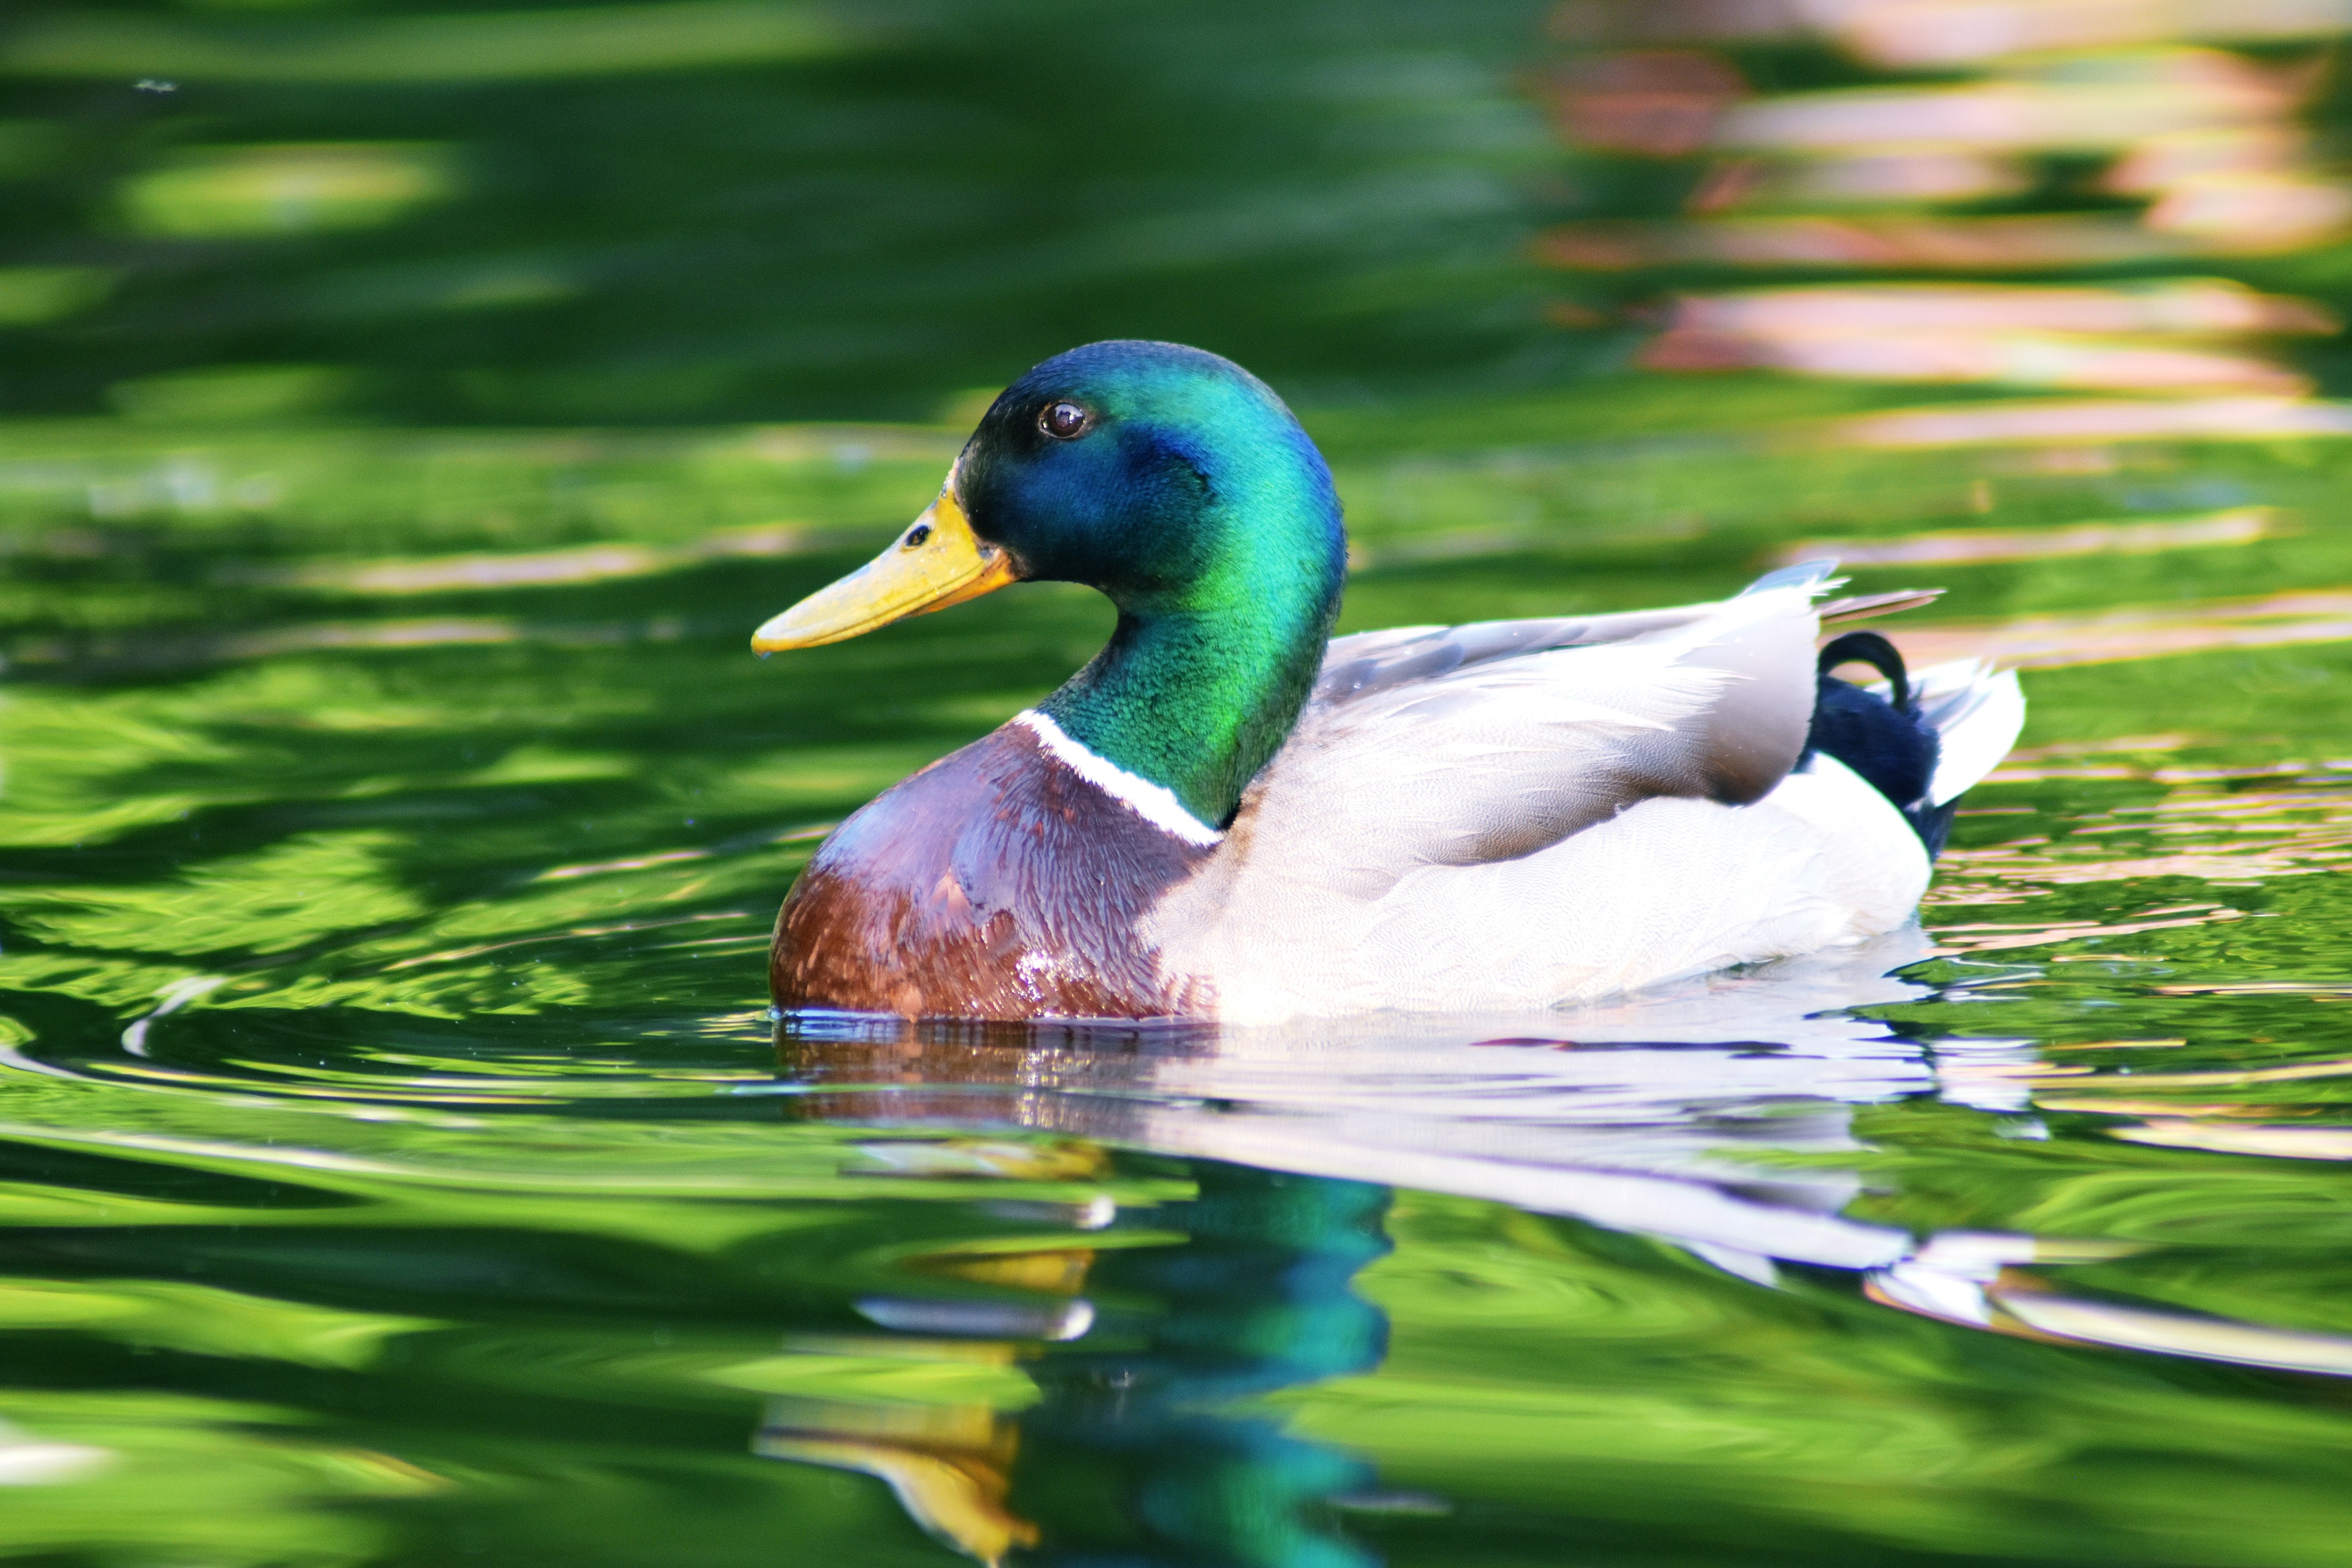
(397, 1159)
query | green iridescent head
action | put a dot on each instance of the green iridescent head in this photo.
(1179, 485)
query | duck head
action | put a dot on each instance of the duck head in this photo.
(1180, 486)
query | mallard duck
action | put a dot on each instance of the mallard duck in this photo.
(1228, 815)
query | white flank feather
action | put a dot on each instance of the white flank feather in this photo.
(1523, 814)
(1497, 817)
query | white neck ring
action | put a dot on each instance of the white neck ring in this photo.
(1156, 803)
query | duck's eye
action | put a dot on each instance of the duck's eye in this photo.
(1064, 421)
(918, 533)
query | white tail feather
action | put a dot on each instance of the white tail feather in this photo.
(1977, 712)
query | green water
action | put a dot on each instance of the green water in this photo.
(397, 1161)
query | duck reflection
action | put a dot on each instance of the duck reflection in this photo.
(1130, 1450)
(1667, 1116)
(1132, 1345)
(1256, 1298)
(1125, 1346)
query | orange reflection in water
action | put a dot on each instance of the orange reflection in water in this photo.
(2190, 335)
(2235, 525)
(2056, 136)
(1930, 34)
(2192, 626)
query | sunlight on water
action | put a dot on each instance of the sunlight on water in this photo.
(399, 1161)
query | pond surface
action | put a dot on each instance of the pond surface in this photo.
(399, 1164)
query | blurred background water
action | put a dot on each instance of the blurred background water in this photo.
(406, 411)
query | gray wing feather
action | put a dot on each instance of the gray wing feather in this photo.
(1371, 662)
(1462, 745)
(1862, 606)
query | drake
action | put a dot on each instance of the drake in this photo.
(1229, 814)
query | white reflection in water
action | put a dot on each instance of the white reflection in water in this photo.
(1664, 1114)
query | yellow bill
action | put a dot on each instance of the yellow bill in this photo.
(938, 562)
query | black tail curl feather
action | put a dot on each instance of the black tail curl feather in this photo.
(1886, 742)
(1875, 650)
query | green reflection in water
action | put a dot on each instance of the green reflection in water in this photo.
(393, 1148)
(395, 1167)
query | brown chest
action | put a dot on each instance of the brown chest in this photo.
(996, 884)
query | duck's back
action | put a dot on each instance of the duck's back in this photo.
(996, 883)
(1524, 814)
